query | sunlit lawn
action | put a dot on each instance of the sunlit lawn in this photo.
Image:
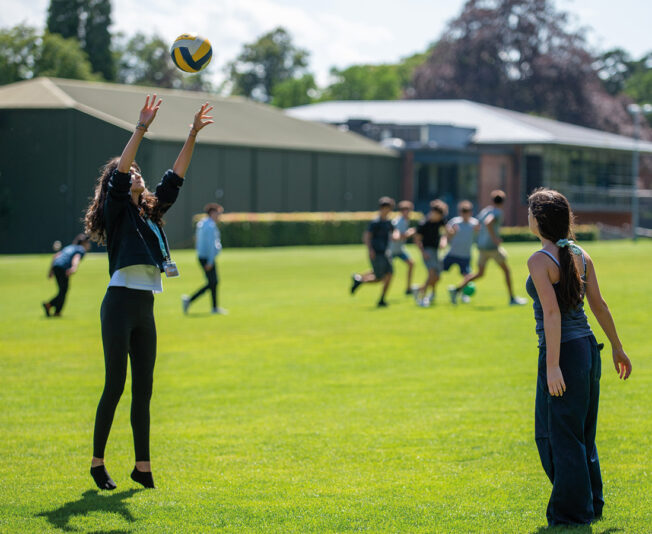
(306, 409)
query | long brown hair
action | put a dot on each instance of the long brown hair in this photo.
(94, 224)
(555, 220)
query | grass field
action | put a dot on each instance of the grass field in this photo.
(308, 410)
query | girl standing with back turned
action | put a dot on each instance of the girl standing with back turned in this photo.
(568, 383)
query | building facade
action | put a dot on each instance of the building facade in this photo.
(55, 135)
(457, 150)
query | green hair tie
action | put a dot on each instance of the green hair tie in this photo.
(570, 244)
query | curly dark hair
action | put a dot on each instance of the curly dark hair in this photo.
(555, 220)
(94, 224)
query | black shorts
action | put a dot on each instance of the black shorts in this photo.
(381, 265)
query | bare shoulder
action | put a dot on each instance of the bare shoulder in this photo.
(586, 255)
(537, 262)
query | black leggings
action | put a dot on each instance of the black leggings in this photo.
(211, 282)
(62, 281)
(127, 328)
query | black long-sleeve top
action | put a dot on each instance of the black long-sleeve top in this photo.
(129, 239)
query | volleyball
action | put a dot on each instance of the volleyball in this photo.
(191, 53)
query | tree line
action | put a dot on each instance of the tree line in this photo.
(516, 54)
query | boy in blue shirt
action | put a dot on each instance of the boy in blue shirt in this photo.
(489, 247)
(208, 245)
(377, 238)
(64, 264)
(461, 231)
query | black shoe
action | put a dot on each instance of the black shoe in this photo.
(102, 478)
(382, 304)
(357, 282)
(46, 307)
(143, 477)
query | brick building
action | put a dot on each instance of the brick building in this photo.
(457, 149)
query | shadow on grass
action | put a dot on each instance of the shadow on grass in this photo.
(92, 501)
(580, 529)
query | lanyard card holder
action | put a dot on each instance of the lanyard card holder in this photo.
(170, 268)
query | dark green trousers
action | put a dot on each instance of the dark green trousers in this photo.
(565, 429)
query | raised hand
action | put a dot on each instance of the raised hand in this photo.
(148, 113)
(202, 118)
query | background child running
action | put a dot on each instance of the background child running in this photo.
(397, 246)
(460, 231)
(489, 247)
(377, 238)
(428, 239)
(64, 264)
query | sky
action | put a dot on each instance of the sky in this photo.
(337, 33)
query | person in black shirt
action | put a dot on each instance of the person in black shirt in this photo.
(127, 217)
(377, 238)
(429, 240)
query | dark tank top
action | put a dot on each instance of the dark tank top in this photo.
(574, 323)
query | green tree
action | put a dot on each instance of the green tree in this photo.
(614, 67)
(24, 54)
(374, 82)
(295, 92)
(364, 82)
(88, 21)
(639, 87)
(266, 63)
(62, 58)
(145, 60)
(97, 39)
(520, 55)
(64, 17)
(18, 48)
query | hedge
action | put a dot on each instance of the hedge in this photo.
(315, 228)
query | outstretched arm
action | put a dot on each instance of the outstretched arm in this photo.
(601, 311)
(183, 160)
(147, 115)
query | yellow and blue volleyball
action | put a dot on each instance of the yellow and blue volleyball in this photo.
(191, 53)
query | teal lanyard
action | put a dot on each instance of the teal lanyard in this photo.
(161, 243)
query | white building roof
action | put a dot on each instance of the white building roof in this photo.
(493, 125)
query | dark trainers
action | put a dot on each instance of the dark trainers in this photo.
(357, 282)
(382, 304)
(143, 477)
(46, 307)
(102, 478)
